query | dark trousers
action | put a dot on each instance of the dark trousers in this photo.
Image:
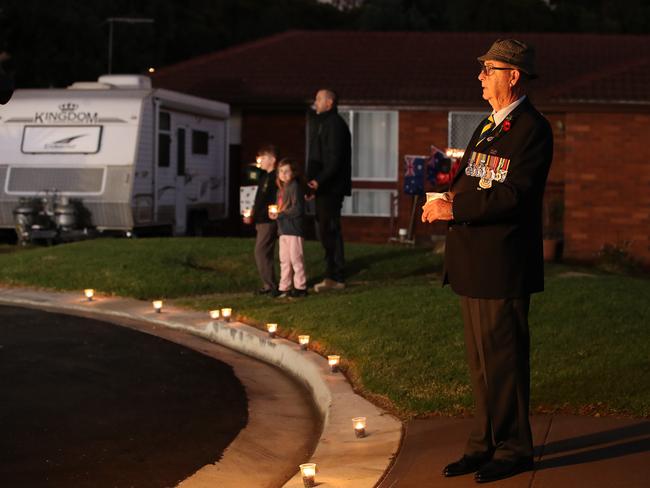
(328, 216)
(497, 346)
(267, 234)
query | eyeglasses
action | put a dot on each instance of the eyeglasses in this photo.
(487, 69)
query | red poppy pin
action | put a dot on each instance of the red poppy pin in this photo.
(506, 125)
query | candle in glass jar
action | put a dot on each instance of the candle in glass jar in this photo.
(226, 313)
(359, 424)
(333, 360)
(308, 472)
(272, 329)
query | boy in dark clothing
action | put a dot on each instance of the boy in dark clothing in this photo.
(266, 229)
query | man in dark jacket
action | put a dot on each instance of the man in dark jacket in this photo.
(494, 260)
(6, 83)
(329, 174)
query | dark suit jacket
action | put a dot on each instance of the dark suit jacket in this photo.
(330, 154)
(494, 243)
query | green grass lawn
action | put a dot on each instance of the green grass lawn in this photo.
(399, 332)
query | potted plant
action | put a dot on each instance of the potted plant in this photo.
(553, 227)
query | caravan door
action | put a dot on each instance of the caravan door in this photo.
(180, 226)
(171, 174)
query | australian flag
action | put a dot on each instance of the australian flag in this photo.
(414, 174)
(440, 168)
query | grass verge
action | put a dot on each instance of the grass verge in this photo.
(399, 332)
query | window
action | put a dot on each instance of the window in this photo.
(461, 127)
(374, 143)
(180, 152)
(370, 203)
(199, 142)
(164, 143)
(69, 139)
(164, 121)
(164, 139)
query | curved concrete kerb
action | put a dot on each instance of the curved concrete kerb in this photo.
(307, 366)
(343, 460)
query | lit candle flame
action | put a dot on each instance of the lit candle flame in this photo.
(359, 424)
(333, 361)
(308, 472)
(226, 313)
(272, 328)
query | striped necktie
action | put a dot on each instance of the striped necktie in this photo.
(486, 128)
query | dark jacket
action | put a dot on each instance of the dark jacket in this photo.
(266, 195)
(494, 243)
(330, 154)
(290, 218)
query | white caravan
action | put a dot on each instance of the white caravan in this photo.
(126, 155)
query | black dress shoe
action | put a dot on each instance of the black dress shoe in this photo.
(498, 469)
(465, 465)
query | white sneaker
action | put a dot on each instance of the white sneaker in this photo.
(328, 284)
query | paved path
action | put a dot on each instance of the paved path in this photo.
(570, 452)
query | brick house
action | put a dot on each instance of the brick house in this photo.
(405, 91)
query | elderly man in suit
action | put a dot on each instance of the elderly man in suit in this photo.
(493, 259)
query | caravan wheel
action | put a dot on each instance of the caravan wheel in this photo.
(196, 224)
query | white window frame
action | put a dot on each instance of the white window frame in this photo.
(391, 192)
(450, 127)
(355, 110)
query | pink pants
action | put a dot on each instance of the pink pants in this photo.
(292, 263)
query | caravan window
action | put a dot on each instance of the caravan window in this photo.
(199, 142)
(68, 139)
(164, 121)
(164, 143)
(164, 139)
(180, 152)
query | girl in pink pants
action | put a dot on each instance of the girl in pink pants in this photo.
(291, 209)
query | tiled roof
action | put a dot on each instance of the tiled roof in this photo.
(411, 68)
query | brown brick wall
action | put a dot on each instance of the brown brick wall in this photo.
(418, 130)
(607, 189)
(600, 165)
(284, 129)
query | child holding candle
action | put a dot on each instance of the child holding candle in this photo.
(291, 210)
(265, 227)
